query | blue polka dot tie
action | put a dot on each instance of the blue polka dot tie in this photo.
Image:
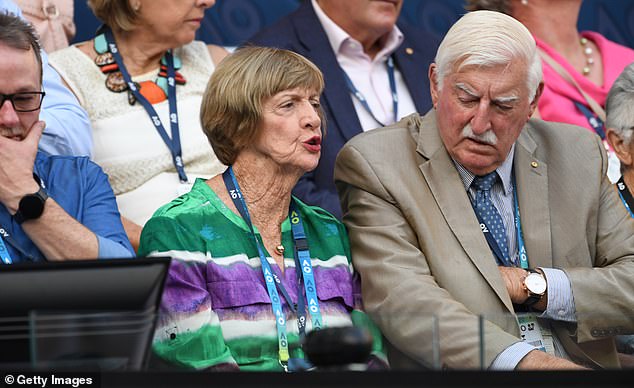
(488, 213)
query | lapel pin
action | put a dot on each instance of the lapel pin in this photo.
(409, 51)
(534, 164)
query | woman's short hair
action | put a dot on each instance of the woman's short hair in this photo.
(488, 39)
(619, 104)
(503, 6)
(238, 88)
(117, 14)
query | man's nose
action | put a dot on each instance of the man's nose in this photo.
(8, 116)
(481, 120)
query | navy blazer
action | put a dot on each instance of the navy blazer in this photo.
(302, 32)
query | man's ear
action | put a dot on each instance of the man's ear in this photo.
(433, 83)
(538, 94)
(621, 149)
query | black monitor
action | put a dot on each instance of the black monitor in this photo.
(97, 314)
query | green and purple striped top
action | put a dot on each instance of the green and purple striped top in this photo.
(215, 311)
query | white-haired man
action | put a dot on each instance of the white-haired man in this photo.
(504, 230)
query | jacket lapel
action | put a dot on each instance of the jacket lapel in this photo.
(316, 47)
(531, 176)
(452, 199)
(408, 61)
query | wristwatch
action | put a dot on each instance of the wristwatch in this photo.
(31, 205)
(535, 285)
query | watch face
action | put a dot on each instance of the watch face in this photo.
(535, 283)
(31, 206)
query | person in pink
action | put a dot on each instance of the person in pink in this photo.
(588, 58)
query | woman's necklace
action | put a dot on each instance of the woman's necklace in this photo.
(587, 51)
(153, 91)
(172, 142)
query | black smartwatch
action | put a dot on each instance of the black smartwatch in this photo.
(31, 205)
(535, 285)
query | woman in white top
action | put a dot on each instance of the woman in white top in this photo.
(147, 137)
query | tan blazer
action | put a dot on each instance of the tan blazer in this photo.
(418, 246)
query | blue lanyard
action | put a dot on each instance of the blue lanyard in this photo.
(302, 257)
(594, 121)
(521, 247)
(273, 283)
(626, 196)
(5, 256)
(174, 144)
(355, 92)
(4, 252)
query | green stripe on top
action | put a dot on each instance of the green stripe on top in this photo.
(203, 220)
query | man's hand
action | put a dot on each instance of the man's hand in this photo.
(536, 359)
(514, 281)
(16, 167)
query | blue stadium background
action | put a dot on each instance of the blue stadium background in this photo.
(230, 22)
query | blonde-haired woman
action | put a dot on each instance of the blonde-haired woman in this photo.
(141, 80)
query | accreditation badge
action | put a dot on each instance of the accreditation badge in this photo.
(534, 333)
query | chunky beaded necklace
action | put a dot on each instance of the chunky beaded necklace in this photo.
(153, 91)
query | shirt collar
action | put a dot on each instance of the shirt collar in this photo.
(504, 172)
(337, 36)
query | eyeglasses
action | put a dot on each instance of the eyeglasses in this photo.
(23, 102)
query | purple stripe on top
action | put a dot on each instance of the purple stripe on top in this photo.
(192, 287)
(185, 288)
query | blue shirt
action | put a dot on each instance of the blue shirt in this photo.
(68, 130)
(81, 188)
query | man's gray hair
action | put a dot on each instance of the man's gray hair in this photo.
(488, 39)
(619, 106)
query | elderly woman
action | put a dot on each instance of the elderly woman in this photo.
(255, 267)
(620, 124)
(579, 67)
(619, 107)
(147, 137)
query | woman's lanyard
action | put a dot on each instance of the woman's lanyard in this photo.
(364, 102)
(303, 269)
(626, 196)
(174, 144)
(521, 247)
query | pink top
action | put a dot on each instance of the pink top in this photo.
(556, 102)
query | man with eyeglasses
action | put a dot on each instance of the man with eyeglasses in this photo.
(68, 130)
(53, 207)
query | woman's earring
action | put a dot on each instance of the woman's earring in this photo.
(136, 6)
